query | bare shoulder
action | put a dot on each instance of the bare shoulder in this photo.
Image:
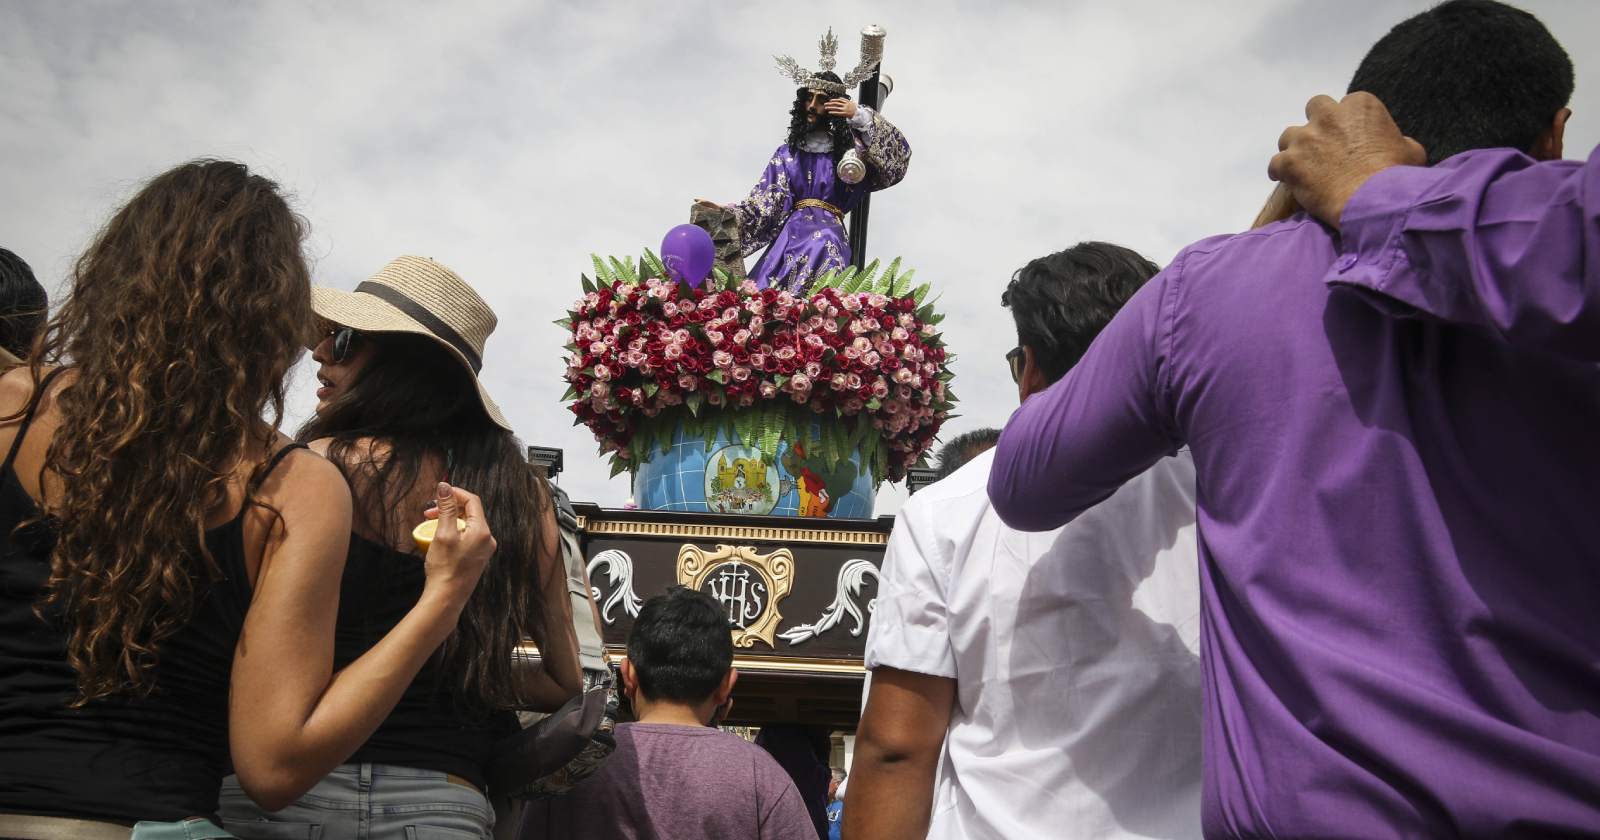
(16, 389)
(360, 454)
(302, 480)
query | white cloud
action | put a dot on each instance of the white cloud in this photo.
(511, 140)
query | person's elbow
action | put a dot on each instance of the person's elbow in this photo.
(1019, 503)
(273, 784)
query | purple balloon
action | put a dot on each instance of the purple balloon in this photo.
(687, 253)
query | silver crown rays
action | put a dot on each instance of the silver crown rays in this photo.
(871, 54)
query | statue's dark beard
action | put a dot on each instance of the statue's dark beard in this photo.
(838, 130)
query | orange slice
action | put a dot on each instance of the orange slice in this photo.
(423, 534)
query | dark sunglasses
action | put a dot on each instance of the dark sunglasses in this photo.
(344, 343)
(1014, 360)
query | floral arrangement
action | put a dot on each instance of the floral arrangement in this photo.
(857, 366)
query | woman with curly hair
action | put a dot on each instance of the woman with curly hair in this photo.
(166, 547)
(400, 405)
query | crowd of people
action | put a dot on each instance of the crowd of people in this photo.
(1288, 539)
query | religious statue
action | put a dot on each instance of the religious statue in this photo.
(835, 154)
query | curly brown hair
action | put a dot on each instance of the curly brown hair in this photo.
(185, 315)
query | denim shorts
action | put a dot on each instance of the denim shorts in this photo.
(366, 802)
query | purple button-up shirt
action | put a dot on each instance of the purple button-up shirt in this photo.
(1396, 439)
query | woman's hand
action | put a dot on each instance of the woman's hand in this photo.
(458, 555)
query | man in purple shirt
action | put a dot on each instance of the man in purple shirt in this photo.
(1396, 434)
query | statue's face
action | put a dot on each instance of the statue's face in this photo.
(814, 112)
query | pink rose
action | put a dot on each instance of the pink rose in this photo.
(800, 382)
(768, 390)
(741, 373)
(813, 369)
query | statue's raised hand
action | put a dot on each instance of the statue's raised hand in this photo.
(840, 107)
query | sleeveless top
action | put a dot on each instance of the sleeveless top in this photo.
(428, 728)
(124, 758)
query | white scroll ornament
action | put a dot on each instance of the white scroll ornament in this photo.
(852, 576)
(619, 576)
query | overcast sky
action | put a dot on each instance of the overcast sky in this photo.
(510, 140)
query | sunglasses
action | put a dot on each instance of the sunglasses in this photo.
(1014, 360)
(344, 343)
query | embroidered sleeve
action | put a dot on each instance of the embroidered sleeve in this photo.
(883, 147)
(762, 213)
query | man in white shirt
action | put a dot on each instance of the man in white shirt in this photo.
(1018, 690)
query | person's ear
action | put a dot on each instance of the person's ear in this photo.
(1551, 144)
(725, 690)
(1033, 379)
(630, 680)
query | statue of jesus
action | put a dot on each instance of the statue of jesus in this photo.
(835, 154)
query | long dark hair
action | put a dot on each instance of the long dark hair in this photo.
(183, 318)
(414, 404)
(837, 128)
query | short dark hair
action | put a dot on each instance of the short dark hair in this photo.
(681, 646)
(963, 448)
(1469, 74)
(1062, 301)
(23, 305)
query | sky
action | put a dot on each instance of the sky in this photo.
(510, 141)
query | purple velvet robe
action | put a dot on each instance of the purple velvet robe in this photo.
(802, 244)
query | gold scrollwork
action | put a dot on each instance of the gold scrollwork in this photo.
(776, 571)
(687, 531)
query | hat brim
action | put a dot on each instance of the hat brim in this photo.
(370, 314)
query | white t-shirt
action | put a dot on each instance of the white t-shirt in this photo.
(1075, 654)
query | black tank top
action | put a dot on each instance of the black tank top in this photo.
(122, 759)
(428, 728)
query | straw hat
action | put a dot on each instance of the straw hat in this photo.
(419, 296)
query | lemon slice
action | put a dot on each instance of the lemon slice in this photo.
(423, 534)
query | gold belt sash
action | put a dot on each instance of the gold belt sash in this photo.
(819, 204)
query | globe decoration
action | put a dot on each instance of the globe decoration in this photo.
(727, 476)
(731, 398)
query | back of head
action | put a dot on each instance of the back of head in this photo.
(963, 448)
(23, 304)
(1062, 301)
(1469, 74)
(680, 646)
(183, 317)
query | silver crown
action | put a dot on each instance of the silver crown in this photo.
(871, 54)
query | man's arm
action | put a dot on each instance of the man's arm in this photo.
(1106, 421)
(1489, 238)
(890, 794)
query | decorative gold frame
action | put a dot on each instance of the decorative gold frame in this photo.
(691, 531)
(776, 570)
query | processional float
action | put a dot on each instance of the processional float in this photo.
(758, 411)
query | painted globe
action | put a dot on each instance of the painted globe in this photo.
(730, 477)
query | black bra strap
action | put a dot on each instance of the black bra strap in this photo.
(27, 416)
(272, 463)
